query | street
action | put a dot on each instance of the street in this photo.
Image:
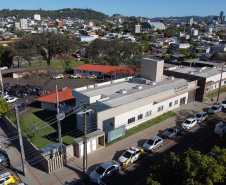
(201, 137)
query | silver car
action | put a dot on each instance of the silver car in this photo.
(104, 171)
(215, 109)
(152, 143)
(223, 104)
(201, 116)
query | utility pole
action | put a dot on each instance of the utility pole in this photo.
(21, 143)
(1, 80)
(85, 105)
(222, 70)
(60, 116)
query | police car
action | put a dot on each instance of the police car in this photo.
(6, 178)
(131, 155)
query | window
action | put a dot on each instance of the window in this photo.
(84, 71)
(175, 102)
(140, 116)
(99, 73)
(131, 120)
(160, 108)
(211, 87)
(170, 104)
(207, 89)
(224, 82)
(148, 113)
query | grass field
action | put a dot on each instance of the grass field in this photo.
(143, 126)
(45, 122)
(55, 63)
(214, 94)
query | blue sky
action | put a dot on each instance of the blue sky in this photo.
(144, 8)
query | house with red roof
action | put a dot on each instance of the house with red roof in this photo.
(104, 71)
(65, 98)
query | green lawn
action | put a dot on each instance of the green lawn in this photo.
(204, 99)
(55, 63)
(48, 134)
(214, 94)
(143, 126)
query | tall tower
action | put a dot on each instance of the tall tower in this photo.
(221, 16)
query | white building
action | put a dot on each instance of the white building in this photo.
(85, 38)
(37, 17)
(182, 45)
(23, 24)
(132, 101)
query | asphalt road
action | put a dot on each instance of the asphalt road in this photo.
(201, 137)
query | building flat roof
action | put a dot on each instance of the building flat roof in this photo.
(133, 93)
(199, 71)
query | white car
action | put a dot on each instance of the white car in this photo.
(4, 96)
(11, 99)
(59, 76)
(189, 123)
(76, 76)
(223, 104)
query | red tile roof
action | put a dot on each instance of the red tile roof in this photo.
(109, 70)
(63, 96)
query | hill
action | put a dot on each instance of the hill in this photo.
(86, 14)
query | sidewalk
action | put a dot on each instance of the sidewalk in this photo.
(73, 171)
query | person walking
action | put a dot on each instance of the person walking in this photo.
(26, 103)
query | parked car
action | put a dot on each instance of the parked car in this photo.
(11, 99)
(59, 76)
(76, 76)
(171, 132)
(189, 123)
(4, 68)
(104, 171)
(4, 96)
(130, 156)
(153, 143)
(201, 116)
(220, 128)
(6, 178)
(4, 159)
(223, 104)
(92, 76)
(20, 107)
(215, 109)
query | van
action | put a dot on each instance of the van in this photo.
(6, 178)
(220, 128)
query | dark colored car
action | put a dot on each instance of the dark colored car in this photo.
(171, 132)
(4, 159)
(20, 107)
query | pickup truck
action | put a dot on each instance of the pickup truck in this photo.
(171, 132)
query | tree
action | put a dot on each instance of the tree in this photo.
(68, 46)
(4, 107)
(25, 48)
(41, 77)
(47, 45)
(6, 56)
(190, 168)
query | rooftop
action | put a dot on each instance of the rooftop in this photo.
(109, 70)
(123, 92)
(199, 71)
(64, 94)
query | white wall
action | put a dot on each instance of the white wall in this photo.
(123, 118)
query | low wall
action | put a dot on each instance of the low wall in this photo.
(29, 148)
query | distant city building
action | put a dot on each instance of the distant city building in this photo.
(59, 23)
(149, 26)
(37, 17)
(136, 28)
(191, 21)
(90, 24)
(23, 24)
(16, 26)
(221, 17)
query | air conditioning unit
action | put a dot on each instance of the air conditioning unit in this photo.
(122, 91)
(138, 86)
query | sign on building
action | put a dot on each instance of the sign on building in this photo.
(116, 133)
